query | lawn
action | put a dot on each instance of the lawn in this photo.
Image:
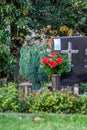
(42, 121)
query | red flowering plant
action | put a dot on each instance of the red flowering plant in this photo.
(55, 63)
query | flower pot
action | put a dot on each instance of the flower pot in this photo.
(55, 81)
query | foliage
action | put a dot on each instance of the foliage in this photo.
(55, 101)
(6, 58)
(84, 86)
(14, 18)
(46, 84)
(30, 64)
(13, 28)
(24, 103)
(55, 63)
(7, 61)
(11, 100)
(8, 98)
(15, 15)
(64, 30)
(70, 13)
(59, 102)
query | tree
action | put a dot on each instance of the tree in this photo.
(17, 15)
(56, 13)
(13, 28)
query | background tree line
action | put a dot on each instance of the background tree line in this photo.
(16, 16)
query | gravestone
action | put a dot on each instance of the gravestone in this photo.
(76, 49)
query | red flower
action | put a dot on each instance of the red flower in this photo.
(45, 60)
(59, 60)
(53, 54)
(53, 63)
(23, 96)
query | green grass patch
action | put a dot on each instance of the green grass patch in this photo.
(42, 121)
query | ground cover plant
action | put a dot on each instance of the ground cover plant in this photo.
(42, 121)
(59, 102)
(62, 102)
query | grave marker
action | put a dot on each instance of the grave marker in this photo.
(76, 49)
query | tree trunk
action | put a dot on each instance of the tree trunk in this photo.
(15, 50)
(16, 70)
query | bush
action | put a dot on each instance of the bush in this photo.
(59, 102)
(54, 101)
(30, 64)
(9, 98)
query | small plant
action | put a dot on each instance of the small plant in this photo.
(59, 102)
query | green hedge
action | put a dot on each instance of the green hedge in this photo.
(11, 100)
(59, 102)
(8, 98)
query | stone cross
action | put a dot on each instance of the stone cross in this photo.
(70, 51)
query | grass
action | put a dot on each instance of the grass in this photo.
(42, 121)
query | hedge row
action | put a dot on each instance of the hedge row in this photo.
(60, 102)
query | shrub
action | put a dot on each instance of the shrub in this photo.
(53, 101)
(30, 64)
(59, 102)
(9, 98)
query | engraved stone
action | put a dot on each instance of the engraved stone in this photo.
(76, 49)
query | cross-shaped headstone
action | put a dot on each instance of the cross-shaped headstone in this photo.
(70, 51)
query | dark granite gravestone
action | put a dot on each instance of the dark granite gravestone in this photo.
(76, 49)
